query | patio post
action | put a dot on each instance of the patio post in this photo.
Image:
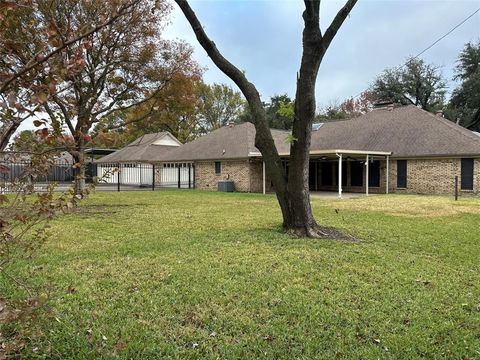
(263, 177)
(387, 174)
(366, 177)
(339, 175)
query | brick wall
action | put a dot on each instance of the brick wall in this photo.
(433, 176)
(236, 170)
(424, 176)
(256, 178)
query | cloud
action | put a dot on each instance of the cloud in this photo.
(263, 37)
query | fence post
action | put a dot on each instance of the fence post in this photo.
(189, 173)
(153, 177)
(118, 178)
(456, 188)
(179, 176)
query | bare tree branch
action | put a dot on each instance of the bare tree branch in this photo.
(337, 23)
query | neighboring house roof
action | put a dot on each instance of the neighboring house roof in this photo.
(149, 147)
(406, 131)
(228, 142)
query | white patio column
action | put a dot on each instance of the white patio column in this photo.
(387, 174)
(263, 177)
(339, 176)
(366, 175)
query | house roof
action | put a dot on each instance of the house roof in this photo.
(406, 131)
(149, 147)
(228, 142)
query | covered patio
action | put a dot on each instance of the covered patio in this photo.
(356, 171)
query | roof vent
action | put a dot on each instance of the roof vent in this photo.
(317, 126)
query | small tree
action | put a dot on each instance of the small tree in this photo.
(292, 189)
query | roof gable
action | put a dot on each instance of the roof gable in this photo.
(146, 148)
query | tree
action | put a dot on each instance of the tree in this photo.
(465, 101)
(280, 112)
(291, 189)
(331, 111)
(415, 83)
(119, 67)
(29, 49)
(177, 110)
(220, 105)
(348, 109)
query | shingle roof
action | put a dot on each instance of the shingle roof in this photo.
(142, 149)
(406, 131)
(228, 142)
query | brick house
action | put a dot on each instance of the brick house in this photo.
(403, 149)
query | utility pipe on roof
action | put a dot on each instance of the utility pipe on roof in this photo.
(339, 175)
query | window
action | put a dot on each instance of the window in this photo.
(374, 174)
(327, 174)
(218, 167)
(356, 173)
(467, 174)
(402, 174)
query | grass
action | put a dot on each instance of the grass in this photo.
(187, 274)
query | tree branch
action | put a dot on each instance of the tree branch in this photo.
(38, 59)
(337, 23)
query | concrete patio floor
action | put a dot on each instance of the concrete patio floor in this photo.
(334, 195)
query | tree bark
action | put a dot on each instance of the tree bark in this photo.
(292, 192)
(6, 133)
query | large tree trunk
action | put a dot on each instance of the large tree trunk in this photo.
(292, 192)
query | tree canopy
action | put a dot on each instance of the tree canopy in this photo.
(220, 105)
(415, 83)
(464, 104)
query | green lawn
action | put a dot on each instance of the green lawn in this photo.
(189, 274)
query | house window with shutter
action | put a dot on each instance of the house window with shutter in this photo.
(402, 174)
(467, 174)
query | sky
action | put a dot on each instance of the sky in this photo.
(263, 38)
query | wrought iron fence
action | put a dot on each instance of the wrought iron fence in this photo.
(112, 176)
(144, 175)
